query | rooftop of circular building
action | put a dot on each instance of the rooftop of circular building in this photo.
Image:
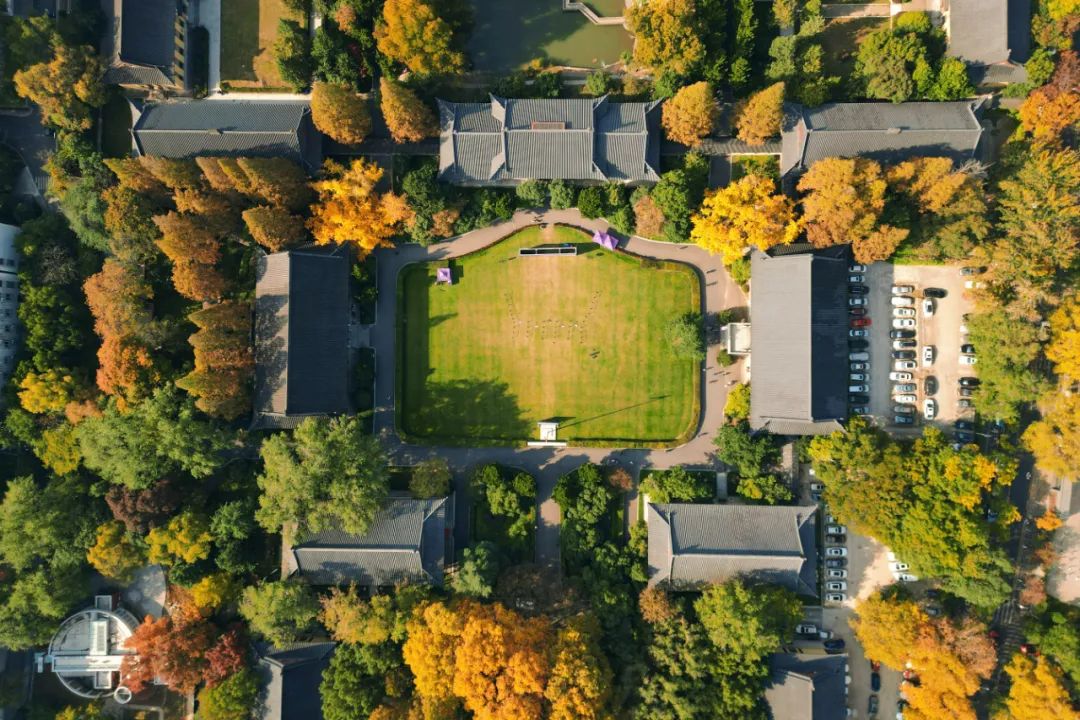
(88, 648)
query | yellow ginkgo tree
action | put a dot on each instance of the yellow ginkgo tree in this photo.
(350, 209)
(746, 214)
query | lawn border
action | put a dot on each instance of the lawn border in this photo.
(691, 431)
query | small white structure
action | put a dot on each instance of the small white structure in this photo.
(549, 432)
(736, 338)
(9, 300)
(87, 650)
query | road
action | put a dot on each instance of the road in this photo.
(546, 464)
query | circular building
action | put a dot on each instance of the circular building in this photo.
(88, 648)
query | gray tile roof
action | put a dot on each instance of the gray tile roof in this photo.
(301, 336)
(803, 687)
(799, 328)
(121, 73)
(691, 545)
(407, 542)
(148, 34)
(291, 678)
(255, 128)
(882, 131)
(506, 141)
(981, 31)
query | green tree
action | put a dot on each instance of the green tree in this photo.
(894, 63)
(532, 193)
(765, 488)
(675, 485)
(431, 479)
(292, 53)
(67, 88)
(36, 603)
(751, 455)
(590, 202)
(478, 571)
(49, 525)
(598, 83)
(1008, 379)
(280, 611)
(232, 699)
(686, 337)
(748, 623)
(329, 475)
(358, 680)
(952, 81)
(156, 437)
(563, 196)
(234, 530)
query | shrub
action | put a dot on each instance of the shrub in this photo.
(590, 202)
(430, 479)
(562, 195)
(675, 485)
(686, 338)
(737, 407)
(532, 193)
(598, 83)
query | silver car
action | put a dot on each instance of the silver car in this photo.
(905, 399)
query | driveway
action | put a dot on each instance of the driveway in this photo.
(547, 464)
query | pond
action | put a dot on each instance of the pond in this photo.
(508, 34)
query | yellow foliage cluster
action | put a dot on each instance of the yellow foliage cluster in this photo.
(745, 214)
(213, 591)
(407, 117)
(186, 539)
(760, 116)
(1048, 112)
(340, 113)
(349, 210)
(1037, 692)
(46, 392)
(114, 554)
(413, 34)
(665, 35)
(690, 115)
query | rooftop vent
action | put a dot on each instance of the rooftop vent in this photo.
(893, 131)
(547, 125)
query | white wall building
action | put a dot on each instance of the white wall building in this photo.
(9, 300)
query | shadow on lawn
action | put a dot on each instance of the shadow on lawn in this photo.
(466, 409)
(582, 421)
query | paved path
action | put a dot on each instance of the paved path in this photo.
(547, 464)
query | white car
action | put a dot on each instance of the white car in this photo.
(835, 597)
(903, 323)
(928, 307)
(829, 519)
(836, 586)
(901, 377)
(907, 577)
(817, 487)
(902, 301)
(901, 289)
(806, 629)
(857, 301)
(857, 267)
(929, 409)
(927, 355)
(906, 399)
(836, 552)
(836, 529)
(856, 377)
(904, 364)
(967, 359)
(974, 284)
(834, 574)
(898, 567)
(903, 344)
(903, 312)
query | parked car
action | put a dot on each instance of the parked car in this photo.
(834, 646)
(873, 706)
(875, 681)
(858, 399)
(858, 343)
(967, 349)
(836, 586)
(856, 278)
(966, 392)
(907, 577)
(906, 399)
(856, 377)
(825, 634)
(967, 359)
(817, 487)
(964, 425)
(858, 356)
(902, 289)
(903, 312)
(903, 420)
(835, 597)
(929, 409)
(904, 388)
(836, 574)
(969, 271)
(902, 301)
(860, 322)
(855, 366)
(904, 344)
(857, 302)
(860, 410)
(836, 552)
(903, 355)
(856, 267)
(901, 334)
(904, 365)
(858, 333)
(964, 404)
(900, 376)
(859, 388)
(839, 529)
(930, 385)
(928, 355)
(934, 292)
(836, 539)
(968, 381)
(898, 567)
(902, 323)
(974, 284)
(806, 629)
(857, 289)
(857, 311)
(903, 409)
(835, 563)
(927, 307)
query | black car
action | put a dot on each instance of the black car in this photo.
(967, 349)
(901, 334)
(964, 425)
(858, 399)
(857, 312)
(834, 646)
(836, 539)
(903, 354)
(969, 382)
(904, 409)
(966, 392)
(968, 271)
(872, 709)
(858, 289)
(934, 293)
(836, 563)
(930, 385)
(858, 343)
(875, 681)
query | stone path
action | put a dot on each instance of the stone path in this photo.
(546, 464)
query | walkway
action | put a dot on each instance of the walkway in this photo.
(547, 464)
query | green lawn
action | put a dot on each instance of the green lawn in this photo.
(116, 127)
(248, 31)
(517, 340)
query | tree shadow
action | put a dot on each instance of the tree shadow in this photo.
(582, 421)
(460, 410)
(440, 319)
(240, 39)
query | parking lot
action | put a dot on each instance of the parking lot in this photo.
(941, 331)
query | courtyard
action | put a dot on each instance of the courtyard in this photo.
(248, 31)
(516, 340)
(508, 34)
